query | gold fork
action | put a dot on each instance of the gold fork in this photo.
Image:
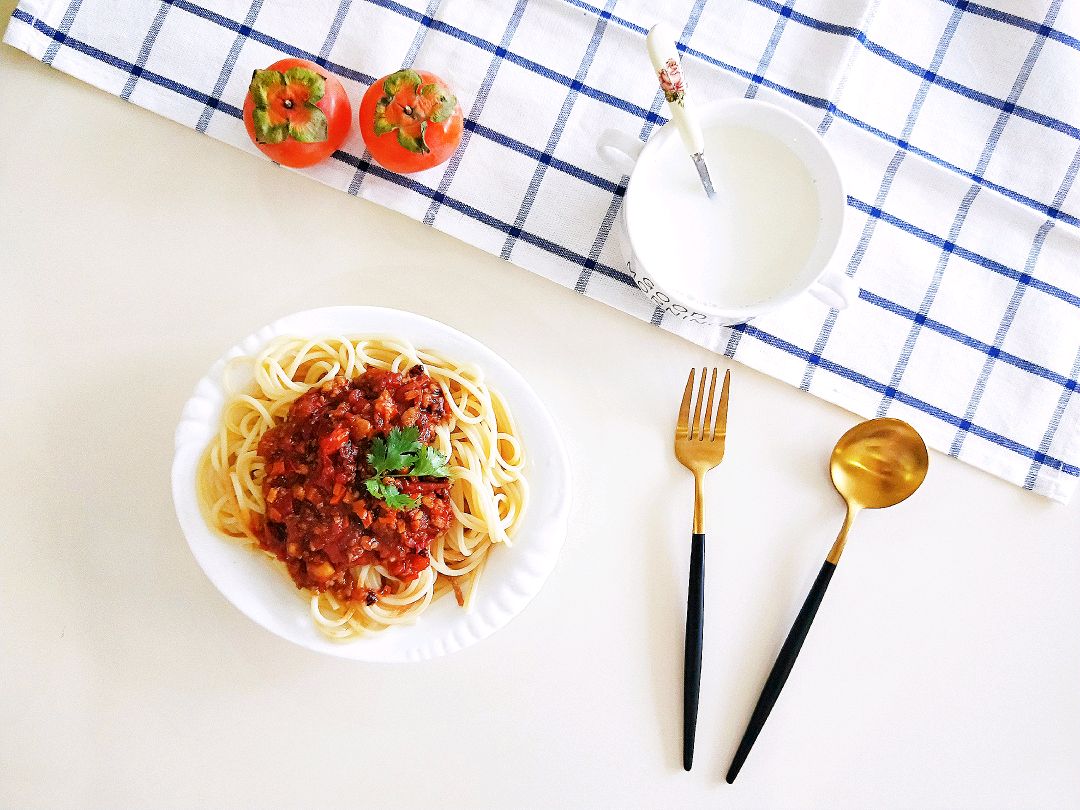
(699, 446)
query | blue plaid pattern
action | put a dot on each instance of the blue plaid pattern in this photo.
(957, 126)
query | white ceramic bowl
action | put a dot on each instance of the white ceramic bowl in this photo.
(260, 588)
(828, 284)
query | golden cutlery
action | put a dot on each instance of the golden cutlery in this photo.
(876, 464)
(699, 446)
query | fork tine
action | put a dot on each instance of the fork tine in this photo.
(696, 424)
(707, 423)
(720, 427)
(683, 425)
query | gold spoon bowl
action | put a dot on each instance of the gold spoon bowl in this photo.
(874, 465)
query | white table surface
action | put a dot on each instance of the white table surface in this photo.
(943, 669)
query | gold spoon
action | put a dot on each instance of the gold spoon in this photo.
(876, 464)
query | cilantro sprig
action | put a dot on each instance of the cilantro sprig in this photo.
(393, 496)
(399, 455)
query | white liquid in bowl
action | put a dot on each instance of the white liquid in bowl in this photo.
(749, 244)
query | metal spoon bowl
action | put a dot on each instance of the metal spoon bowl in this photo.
(879, 463)
(876, 464)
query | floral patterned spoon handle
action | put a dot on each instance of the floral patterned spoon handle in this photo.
(665, 60)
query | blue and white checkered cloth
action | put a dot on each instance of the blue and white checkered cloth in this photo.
(956, 125)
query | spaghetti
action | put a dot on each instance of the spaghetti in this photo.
(488, 494)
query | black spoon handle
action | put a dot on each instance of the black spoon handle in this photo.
(695, 620)
(782, 668)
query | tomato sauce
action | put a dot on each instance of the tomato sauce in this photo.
(320, 519)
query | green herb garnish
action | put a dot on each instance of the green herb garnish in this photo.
(430, 463)
(399, 455)
(389, 493)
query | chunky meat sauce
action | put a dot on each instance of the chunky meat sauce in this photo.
(320, 519)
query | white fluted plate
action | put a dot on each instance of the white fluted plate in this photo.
(256, 584)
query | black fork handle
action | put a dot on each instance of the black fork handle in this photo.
(695, 622)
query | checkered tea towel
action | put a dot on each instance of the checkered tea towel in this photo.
(955, 125)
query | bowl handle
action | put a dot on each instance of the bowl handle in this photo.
(619, 150)
(835, 289)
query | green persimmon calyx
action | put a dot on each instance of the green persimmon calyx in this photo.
(408, 105)
(285, 105)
